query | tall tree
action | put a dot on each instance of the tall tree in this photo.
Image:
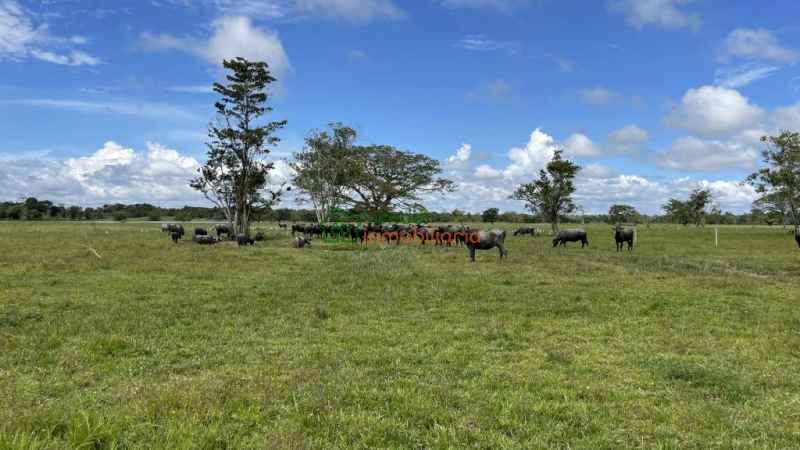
(235, 176)
(622, 213)
(778, 183)
(323, 168)
(382, 178)
(692, 210)
(551, 194)
(490, 215)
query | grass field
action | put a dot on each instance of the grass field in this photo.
(155, 345)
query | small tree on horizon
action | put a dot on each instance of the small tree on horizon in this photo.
(236, 175)
(551, 194)
(622, 214)
(490, 215)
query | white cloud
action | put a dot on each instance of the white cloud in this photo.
(691, 153)
(356, 55)
(496, 91)
(193, 89)
(230, 37)
(734, 77)
(755, 43)
(578, 144)
(627, 139)
(659, 13)
(352, 11)
(497, 5)
(600, 95)
(713, 111)
(461, 157)
(534, 156)
(485, 171)
(113, 173)
(20, 38)
(138, 109)
(355, 11)
(787, 117)
(478, 42)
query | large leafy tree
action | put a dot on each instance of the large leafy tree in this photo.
(550, 195)
(778, 182)
(382, 178)
(622, 213)
(490, 215)
(236, 175)
(692, 210)
(323, 168)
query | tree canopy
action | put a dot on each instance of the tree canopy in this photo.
(235, 175)
(692, 210)
(551, 194)
(778, 182)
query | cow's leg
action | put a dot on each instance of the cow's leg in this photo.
(503, 252)
(472, 254)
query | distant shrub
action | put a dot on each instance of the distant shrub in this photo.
(120, 216)
(154, 217)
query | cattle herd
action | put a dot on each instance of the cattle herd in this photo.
(460, 236)
(440, 236)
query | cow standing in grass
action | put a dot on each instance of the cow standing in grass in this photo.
(797, 234)
(227, 230)
(486, 240)
(301, 242)
(572, 235)
(622, 236)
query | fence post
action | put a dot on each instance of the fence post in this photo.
(716, 237)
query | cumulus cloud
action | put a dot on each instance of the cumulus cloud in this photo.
(578, 144)
(627, 139)
(461, 157)
(486, 172)
(713, 111)
(658, 13)
(787, 117)
(112, 173)
(21, 38)
(691, 153)
(755, 43)
(230, 37)
(533, 157)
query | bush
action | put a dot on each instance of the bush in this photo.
(120, 216)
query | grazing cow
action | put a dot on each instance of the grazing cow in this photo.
(224, 229)
(259, 236)
(282, 225)
(171, 227)
(200, 232)
(204, 240)
(621, 236)
(521, 231)
(572, 235)
(301, 242)
(797, 234)
(243, 239)
(176, 236)
(486, 240)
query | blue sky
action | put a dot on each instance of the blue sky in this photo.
(108, 101)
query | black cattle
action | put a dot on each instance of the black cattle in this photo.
(486, 240)
(622, 235)
(172, 227)
(200, 232)
(301, 242)
(243, 239)
(282, 225)
(175, 236)
(259, 236)
(573, 235)
(227, 230)
(204, 240)
(521, 231)
(797, 235)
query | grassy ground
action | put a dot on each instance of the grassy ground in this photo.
(155, 345)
